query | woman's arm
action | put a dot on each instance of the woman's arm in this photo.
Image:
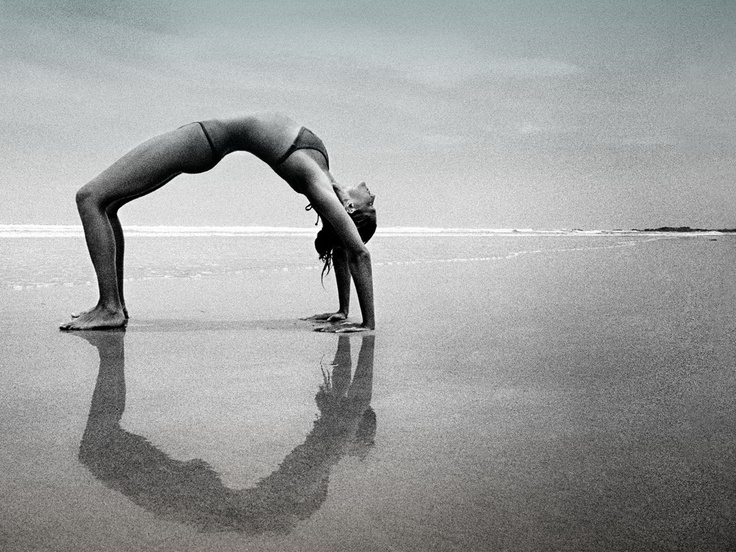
(361, 271)
(342, 277)
(356, 255)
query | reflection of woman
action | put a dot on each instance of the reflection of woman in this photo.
(292, 151)
(191, 492)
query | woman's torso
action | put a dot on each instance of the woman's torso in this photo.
(265, 135)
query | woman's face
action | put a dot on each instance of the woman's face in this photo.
(360, 197)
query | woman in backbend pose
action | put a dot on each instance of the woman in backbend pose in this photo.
(292, 151)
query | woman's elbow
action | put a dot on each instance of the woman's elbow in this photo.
(360, 254)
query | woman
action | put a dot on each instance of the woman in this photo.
(292, 151)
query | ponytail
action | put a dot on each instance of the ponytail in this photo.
(324, 243)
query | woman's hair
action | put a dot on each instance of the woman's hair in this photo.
(327, 239)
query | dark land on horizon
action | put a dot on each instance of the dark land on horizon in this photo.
(687, 229)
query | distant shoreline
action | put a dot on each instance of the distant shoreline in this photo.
(683, 229)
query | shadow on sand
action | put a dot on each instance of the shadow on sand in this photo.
(192, 492)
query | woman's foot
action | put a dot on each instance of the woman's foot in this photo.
(97, 318)
(78, 314)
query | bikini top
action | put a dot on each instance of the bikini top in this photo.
(306, 139)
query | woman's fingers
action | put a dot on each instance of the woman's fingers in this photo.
(342, 328)
(327, 316)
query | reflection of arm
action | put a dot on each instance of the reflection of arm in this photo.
(342, 368)
(346, 424)
(361, 390)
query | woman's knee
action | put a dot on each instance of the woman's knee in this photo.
(88, 198)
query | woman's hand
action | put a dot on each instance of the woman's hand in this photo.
(328, 317)
(345, 327)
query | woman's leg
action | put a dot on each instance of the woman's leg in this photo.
(139, 172)
(117, 232)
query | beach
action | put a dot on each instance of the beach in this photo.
(522, 391)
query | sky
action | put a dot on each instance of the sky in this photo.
(536, 114)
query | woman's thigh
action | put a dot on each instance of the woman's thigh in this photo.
(152, 164)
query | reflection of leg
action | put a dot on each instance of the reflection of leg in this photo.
(190, 491)
(108, 399)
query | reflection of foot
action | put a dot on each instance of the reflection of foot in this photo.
(103, 339)
(78, 314)
(97, 318)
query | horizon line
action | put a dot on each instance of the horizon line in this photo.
(76, 230)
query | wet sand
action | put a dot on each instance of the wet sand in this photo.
(576, 400)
